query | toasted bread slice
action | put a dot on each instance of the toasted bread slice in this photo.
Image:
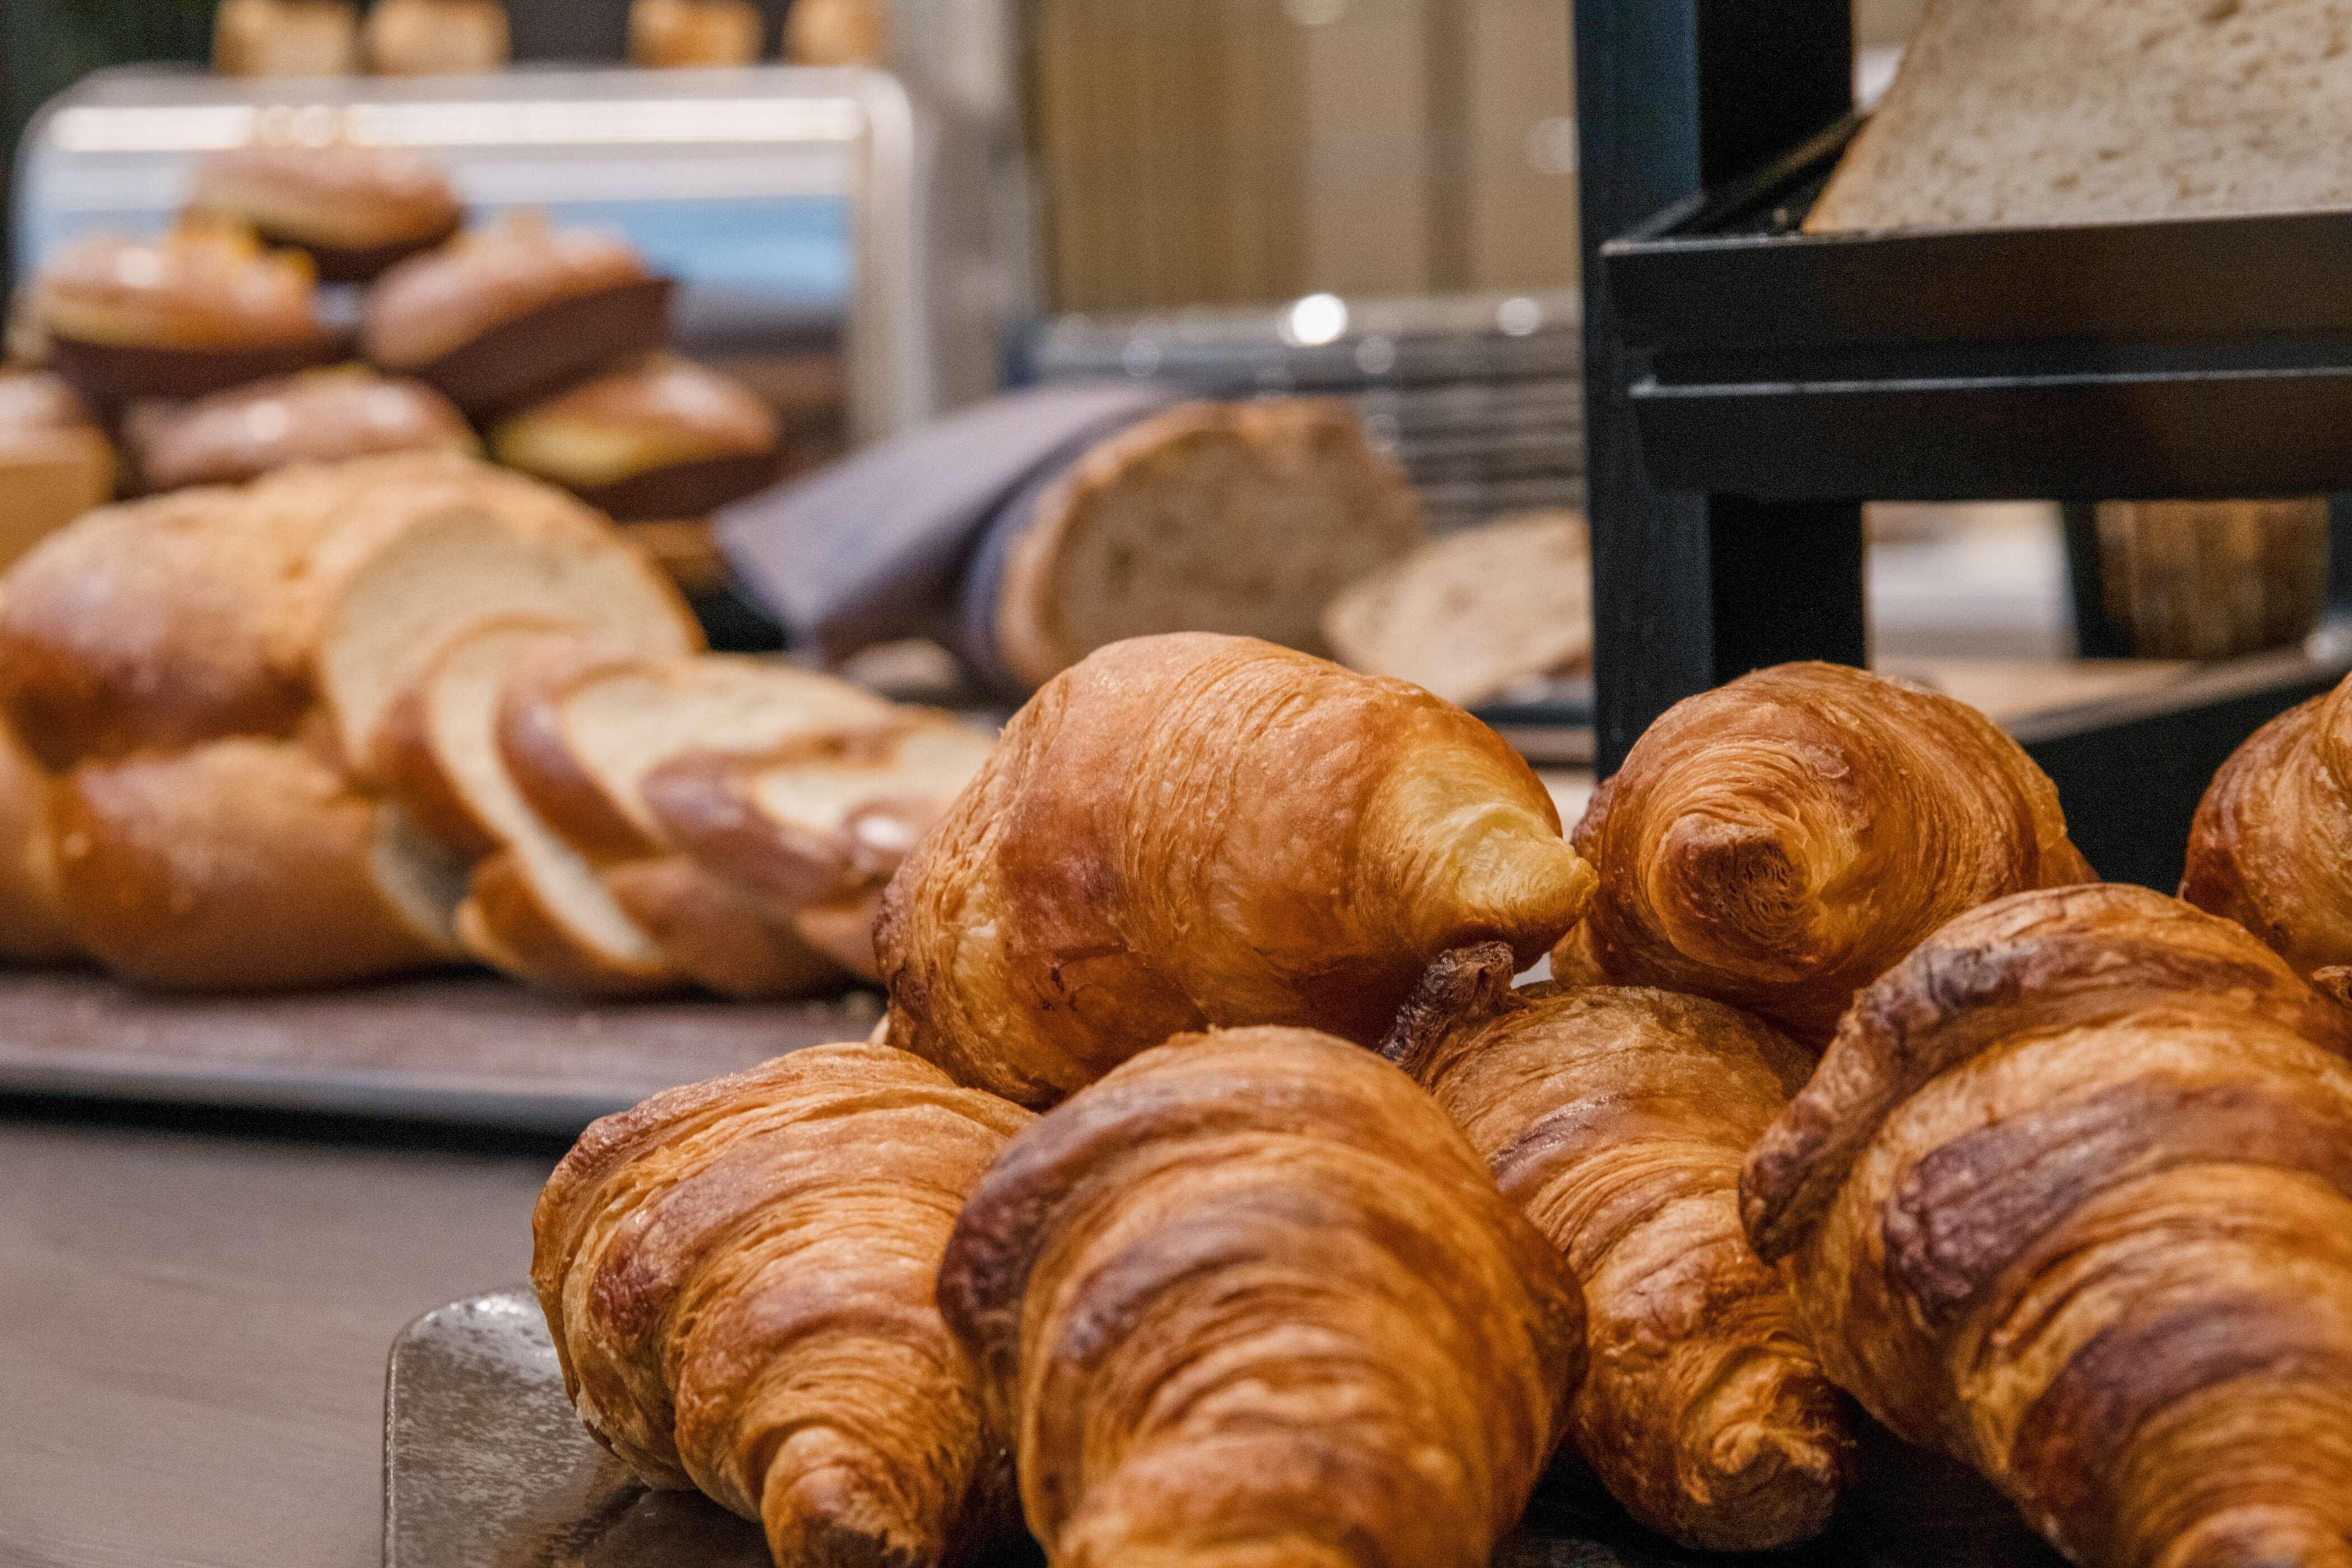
(580, 737)
(537, 908)
(818, 821)
(237, 865)
(442, 575)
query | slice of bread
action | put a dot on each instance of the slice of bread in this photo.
(820, 821)
(718, 941)
(537, 907)
(1213, 517)
(241, 863)
(439, 576)
(1467, 616)
(2017, 112)
(582, 735)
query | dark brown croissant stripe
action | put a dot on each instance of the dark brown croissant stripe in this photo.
(2071, 1198)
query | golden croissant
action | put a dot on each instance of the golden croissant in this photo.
(1192, 830)
(1617, 1119)
(1780, 842)
(2272, 844)
(1251, 1301)
(738, 1276)
(2071, 1198)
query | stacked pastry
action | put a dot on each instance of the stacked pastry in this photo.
(210, 338)
(361, 718)
(2068, 1196)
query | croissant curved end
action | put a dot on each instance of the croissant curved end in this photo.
(1743, 896)
(1784, 1456)
(825, 1511)
(2268, 1537)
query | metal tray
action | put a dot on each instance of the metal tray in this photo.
(470, 1050)
(486, 1467)
(2114, 360)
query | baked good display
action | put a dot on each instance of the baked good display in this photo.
(1618, 1120)
(55, 463)
(1194, 830)
(355, 210)
(2268, 848)
(661, 438)
(1251, 1299)
(2015, 112)
(671, 34)
(737, 1278)
(1781, 841)
(1470, 614)
(1242, 517)
(313, 417)
(837, 33)
(436, 37)
(286, 38)
(514, 309)
(178, 314)
(2069, 1198)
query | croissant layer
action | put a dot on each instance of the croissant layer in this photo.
(738, 1276)
(1251, 1300)
(1781, 841)
(1617, 1119)
(2071, 1198)
(1192, 830)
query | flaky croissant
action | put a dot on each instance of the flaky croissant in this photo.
(1251, 1300)
(1780, 842)
(1617, 1119)
(2071, 1198)
(738, 1276)
(1192, 830)
(2272, 844)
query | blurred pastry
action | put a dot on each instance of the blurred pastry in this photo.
(1469, 615)
(355, 210)
(54, 462)
(837, 33)
(178, 314)
(515, 309)
(663, 437)
(286, 38)
(675, 32)
(436, 37)
(318, 416)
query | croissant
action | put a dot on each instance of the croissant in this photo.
(737, 1278)
(1780, 842)
(1251, 1300)
(1617, 1119)
(1192, 830)
(2071, 1198)
(2272, 844)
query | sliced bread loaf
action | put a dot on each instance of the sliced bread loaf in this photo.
(715, 939)
(1242, 517)
(581, 735)
(2013, 113)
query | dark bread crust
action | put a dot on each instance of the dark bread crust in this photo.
(540, 350)
(684, 489)
(360, 264)
(126, 372)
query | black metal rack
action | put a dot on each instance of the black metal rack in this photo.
(1749, 387)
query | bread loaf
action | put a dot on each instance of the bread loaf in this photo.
(2016, 113)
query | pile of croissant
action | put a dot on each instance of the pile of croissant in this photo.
(1209, 1195)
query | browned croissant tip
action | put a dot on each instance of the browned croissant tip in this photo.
(1459, 990)
(2264, 1537)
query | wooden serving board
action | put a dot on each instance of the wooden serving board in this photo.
(467, 1050)
(486, 1466)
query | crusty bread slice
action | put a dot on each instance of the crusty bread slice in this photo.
(718, 941)
(2012, 112)
(238, 864)
(581, 735)
(32, 914)
(1215, 517)
(440, 575)
(537, 908)
(819, 821)
(1467, 616)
